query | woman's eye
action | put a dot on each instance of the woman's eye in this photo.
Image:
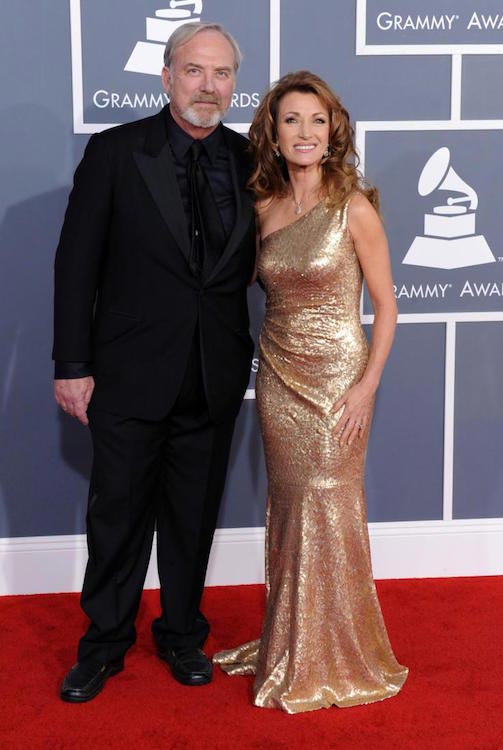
(289, 120)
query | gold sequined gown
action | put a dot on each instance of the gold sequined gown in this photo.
(323, 639)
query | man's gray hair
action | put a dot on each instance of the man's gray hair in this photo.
(188, 31)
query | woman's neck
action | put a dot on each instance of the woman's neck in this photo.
(304, 188)
(305, 182)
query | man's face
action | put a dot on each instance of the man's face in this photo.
(201, 80)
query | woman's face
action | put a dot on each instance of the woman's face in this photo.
(303, 129)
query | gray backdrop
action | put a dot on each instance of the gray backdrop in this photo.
(63, 65)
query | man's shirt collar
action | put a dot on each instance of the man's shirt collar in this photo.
(180, 141)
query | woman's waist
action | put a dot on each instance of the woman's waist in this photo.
(320, 344)
(297, 313)
(326, 370)
(324, 326)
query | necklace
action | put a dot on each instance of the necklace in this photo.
(297, 204)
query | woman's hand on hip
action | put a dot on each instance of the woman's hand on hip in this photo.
(357, 409)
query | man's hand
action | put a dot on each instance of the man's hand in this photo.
(73, 395)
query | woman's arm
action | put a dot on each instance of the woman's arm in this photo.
(372, 249)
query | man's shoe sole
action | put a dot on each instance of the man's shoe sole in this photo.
(69, 698)
(192, 682)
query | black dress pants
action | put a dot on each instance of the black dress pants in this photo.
(168, 475)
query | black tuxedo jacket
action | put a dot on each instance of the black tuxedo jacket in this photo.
(125, 297)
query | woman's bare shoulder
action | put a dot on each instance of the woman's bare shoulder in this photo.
(361, 213)
(267, 215)
(359, 205)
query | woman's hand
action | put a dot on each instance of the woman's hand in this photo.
(357, 407)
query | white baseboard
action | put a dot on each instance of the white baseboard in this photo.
(37, 565)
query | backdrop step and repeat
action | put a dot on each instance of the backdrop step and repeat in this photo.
(423, 81)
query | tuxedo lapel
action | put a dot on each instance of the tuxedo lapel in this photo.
(155, 164)
(156, 167)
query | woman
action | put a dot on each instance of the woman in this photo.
(323, 640)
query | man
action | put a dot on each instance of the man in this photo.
(151, 321)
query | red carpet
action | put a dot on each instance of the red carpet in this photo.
(448, 631)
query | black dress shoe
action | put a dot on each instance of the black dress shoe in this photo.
(190, 666)
(85, 680)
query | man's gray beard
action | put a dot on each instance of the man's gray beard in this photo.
(201, 120)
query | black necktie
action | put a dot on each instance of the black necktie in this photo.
(207, 232)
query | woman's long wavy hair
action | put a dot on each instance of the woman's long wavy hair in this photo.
(340, 175)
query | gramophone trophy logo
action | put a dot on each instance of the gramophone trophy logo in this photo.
(449, 239)
(147, 57)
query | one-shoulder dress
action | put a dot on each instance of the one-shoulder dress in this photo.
(323, 639)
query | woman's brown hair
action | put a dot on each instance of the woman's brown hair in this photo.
(340, 175)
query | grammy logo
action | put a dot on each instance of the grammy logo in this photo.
(147, 57)
(450, 240)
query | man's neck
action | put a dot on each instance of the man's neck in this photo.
(195, 132)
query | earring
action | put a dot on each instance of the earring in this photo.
(275, 150)
(326, 152)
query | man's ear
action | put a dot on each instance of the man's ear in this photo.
(166, 79)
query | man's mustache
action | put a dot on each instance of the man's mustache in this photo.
(206, 99)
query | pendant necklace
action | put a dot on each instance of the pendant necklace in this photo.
(297, 204)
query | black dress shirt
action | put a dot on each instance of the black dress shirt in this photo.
(215, 161)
